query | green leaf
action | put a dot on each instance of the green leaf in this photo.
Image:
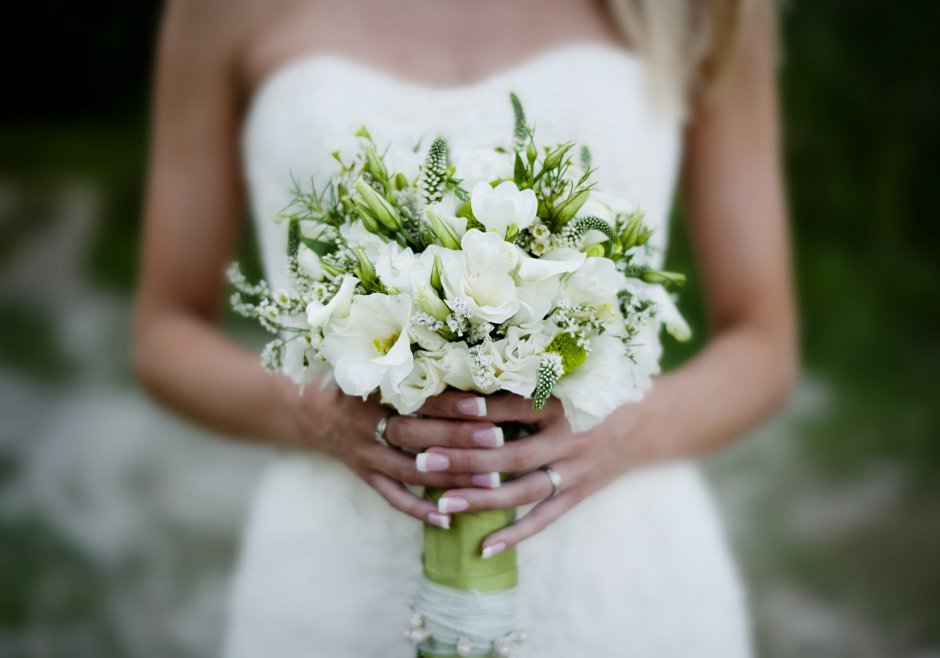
(520, 130)
(319, 247)
(520, 173)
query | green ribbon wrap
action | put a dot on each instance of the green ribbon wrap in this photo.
(453, 557)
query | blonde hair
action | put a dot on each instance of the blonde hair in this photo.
(690, 43)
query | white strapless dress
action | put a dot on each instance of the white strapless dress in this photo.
(327, 569)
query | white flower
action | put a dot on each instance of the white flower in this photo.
(606, 207)
(596, 282)
(497, 208)
(540, 231)
(372, 345)
(454, 361)
(666, 311)
(357, 235)
(479, 276)
(301, 364)
(606, 380)
(424, 381)
(309, 262)
(481, 166)
(318, 313)
(516, 359)
(282, 297)
(552, 263)
(447, 209)
(399, 267)
(536, 299)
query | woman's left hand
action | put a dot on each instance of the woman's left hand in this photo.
(586, 461)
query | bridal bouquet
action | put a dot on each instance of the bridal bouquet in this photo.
(498, 269)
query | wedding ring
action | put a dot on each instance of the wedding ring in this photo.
(555, 479)
(380, 430)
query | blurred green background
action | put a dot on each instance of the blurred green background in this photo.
(118, 524)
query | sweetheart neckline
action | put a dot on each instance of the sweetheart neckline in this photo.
(316, 58)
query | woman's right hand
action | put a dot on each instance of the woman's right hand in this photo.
(344, 427)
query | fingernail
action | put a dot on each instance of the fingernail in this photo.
(489, 480)
(495, 549)
(491, 437)
(431, 461)
(472, 406)
(451, 504)
(440, 520)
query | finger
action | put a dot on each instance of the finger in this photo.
(404, 501)
(416, 433)
(538, 518)
(517, 456)
(455, 404)
(403, 467)
(506, 407)
(497, 408)
(525, 489)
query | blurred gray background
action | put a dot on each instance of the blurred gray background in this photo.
(119, 523)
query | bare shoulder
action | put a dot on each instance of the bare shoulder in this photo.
(217, 36)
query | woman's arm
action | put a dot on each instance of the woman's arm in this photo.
(734, 198)
(733, 193)
(192, 220)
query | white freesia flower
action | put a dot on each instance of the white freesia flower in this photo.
(318, 313)
(604, 381)
(552, 263)
(605, 206)
(667, 312)
(481, 166)
(596, 282)
(400, 268)
(309, 262)
(372, 345)
(424, 381)
(479, 276)
(499, 207)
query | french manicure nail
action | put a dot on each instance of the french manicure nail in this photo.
(440, 520)
(492, 437)
(488, 480)
(495, 549)
(451, 504)
(431, 461)
(472, 406)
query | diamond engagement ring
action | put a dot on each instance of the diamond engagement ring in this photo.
(380, 430)
(555, 479)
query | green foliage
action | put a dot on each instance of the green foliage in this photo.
(520, 128)
(434, 175)
(572, 353)
(549, 372)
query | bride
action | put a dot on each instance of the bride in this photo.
(620, 555)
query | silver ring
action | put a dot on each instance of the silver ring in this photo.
(380, 430)
(555, 479)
